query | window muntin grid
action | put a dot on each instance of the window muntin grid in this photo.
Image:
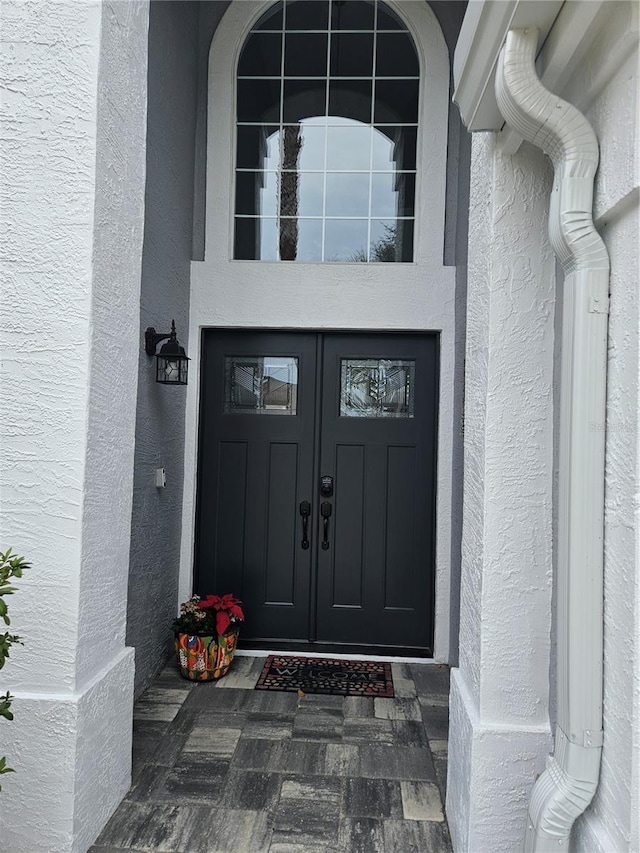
(326, 159)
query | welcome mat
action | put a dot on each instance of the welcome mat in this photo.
(324, 675)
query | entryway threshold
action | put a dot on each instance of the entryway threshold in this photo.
(259, 653)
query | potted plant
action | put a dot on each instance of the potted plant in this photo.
(206, 635)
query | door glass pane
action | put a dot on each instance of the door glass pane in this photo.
(376, 388)
(260, 385)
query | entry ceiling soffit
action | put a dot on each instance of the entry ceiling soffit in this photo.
(484, 29)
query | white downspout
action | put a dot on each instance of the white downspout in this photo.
(567, 786)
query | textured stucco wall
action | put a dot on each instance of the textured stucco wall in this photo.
(73, 134)
(499, 730)
(605, 87)
(155, 539)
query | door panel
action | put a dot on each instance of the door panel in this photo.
(375, 582)
(255, 466)
(371, 426)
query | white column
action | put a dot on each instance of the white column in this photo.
(74, 116)
(499, 729)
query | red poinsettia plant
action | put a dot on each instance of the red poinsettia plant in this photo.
(209, 616)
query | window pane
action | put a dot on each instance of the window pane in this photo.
(311, 194)
(396, 101)
(305, 55)
(304, 99)
(307, 14)
(347, 194)
(312, 136)
(260, 385)
(376, 388)
(301, 240)
(256, 193)
(352, 15)
(352, 55)
(258, 147)
(392, 194)
(349, 147)
(350, 99)
(256, 240)
(261, 56)
(345, 240)
(272, 20)
(391, 241)
(395, 56)
(388, 20)
(394, 148)
(259, 100)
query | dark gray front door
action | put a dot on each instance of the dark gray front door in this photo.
(316, 488)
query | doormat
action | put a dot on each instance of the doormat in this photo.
(323, 675)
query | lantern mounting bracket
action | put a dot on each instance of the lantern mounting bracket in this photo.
(153, 338)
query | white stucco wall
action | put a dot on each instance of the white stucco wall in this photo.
(499, 727)
(503, 670)
(73, 106)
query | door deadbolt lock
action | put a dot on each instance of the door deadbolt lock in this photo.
(326, 487)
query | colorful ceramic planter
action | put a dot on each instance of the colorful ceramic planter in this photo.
(205, 658)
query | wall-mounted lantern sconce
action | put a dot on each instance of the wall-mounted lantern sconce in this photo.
(172, 362)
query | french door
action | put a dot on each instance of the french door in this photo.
(316, 486)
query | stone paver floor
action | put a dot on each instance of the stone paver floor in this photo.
(222, 768)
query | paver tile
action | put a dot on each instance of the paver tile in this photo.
(220, 741)
(342, 759)
(421, 801)
(362, 835)
(238, 830)
(398, 709)
(247, 789)
(396, 762)
(413, 835)
(368, 730)
(377, 798)
(306, 821)
(323, 788)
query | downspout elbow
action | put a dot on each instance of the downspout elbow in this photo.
(561, 794)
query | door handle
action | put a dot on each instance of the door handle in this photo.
(305, 512)
(325, 512)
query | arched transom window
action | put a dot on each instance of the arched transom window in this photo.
(327, 119)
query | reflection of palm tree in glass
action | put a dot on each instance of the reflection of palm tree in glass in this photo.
(383, 250)
(291, 145)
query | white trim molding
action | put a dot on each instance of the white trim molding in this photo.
(482, 35)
